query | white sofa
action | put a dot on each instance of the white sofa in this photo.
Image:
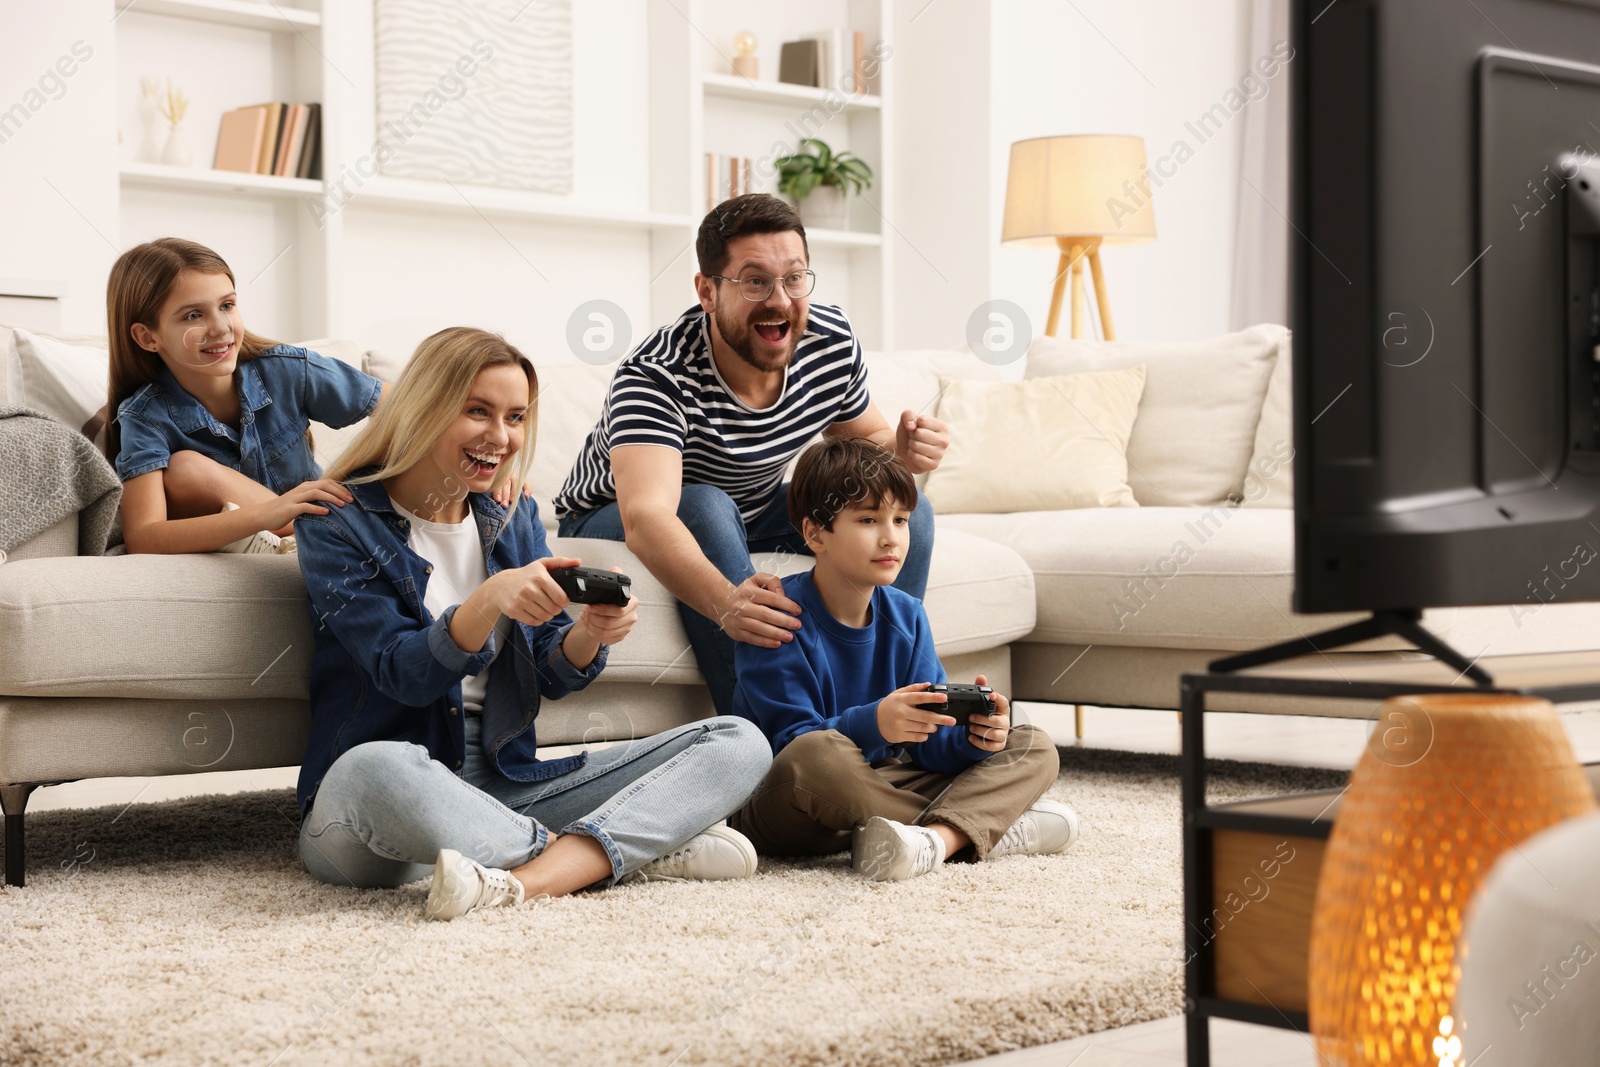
(149, 665)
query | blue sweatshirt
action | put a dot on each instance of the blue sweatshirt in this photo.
(832, 676)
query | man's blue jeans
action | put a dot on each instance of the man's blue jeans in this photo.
(727, 541)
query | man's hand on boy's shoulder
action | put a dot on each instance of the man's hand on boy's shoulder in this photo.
(989, 732)
(902, 722)
(757, 611)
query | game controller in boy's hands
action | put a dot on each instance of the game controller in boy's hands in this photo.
(586, 585)
(964, 700)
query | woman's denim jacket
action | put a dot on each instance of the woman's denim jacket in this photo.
(386, 670)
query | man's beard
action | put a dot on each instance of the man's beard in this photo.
(740, 336)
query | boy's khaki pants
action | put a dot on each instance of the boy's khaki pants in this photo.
(820, 788)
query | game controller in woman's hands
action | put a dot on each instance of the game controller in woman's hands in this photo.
(964, 700)
(587, 585)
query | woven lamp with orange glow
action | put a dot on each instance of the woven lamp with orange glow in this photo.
(1448, 782)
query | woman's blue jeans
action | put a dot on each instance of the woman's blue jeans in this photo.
(386, 808)
(728, 541)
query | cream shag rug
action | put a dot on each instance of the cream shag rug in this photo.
(187, 932)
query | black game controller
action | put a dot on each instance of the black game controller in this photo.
(586, 585)
(964, 700)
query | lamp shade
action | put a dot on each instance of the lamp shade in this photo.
(1447, 784)
(1084, 185)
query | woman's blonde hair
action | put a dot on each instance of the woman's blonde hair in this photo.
(428, 398)
(141, 280)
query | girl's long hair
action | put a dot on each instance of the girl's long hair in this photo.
(141, 280)
(428, 398)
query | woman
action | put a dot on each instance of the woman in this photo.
(439, 629)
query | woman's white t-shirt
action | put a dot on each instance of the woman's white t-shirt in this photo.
(456, 553)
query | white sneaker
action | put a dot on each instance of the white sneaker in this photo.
(262, 542)
(1043, 830)
(717, 853)
(461, 884)
(889, 851)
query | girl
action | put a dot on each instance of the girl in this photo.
(439, 631)
(211, 429)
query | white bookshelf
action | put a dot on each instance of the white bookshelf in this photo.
(774, 92)
(818, 238)
(255, 51)
(196, 179)
(698, 106)
(300, 247)
(272, 15)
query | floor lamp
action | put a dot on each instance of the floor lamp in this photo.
(1077, 193)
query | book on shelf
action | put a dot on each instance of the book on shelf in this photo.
(798, 62)
(826, 60)
(238, 139)
(276, 139)
(727, 177)
(310, 162)
(269, 140)
(831, 58)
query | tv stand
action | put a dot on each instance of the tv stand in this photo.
(1401, 622)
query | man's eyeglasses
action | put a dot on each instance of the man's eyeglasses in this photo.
(797, 284)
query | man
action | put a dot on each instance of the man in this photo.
(686, 463)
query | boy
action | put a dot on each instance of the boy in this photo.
(857, 763)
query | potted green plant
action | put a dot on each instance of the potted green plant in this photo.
(817, 179)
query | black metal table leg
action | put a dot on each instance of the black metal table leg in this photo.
(1199, 969)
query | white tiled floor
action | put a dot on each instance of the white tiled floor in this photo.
(1283, 739)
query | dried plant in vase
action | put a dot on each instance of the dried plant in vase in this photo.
(173, 107)
(150, 140)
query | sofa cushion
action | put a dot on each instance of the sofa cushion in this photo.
(64, 376)
(1220, 578)
(1269, 483)
(1197, 418)
(220, 627)
(1073, 430)
(1165, 577)
(915, 379)
(571, 395)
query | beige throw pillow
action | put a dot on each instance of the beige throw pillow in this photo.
(1043, 444)
(1269, 483)
(1198, 416)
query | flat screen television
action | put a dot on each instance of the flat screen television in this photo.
(1445, 302)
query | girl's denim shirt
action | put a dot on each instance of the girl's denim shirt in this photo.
(280, 392)
(386, 670)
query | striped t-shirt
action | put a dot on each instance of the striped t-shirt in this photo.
(668, 392)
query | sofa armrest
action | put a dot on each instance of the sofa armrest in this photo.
(59, 540)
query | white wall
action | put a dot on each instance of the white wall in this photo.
(971, 78)
(943, 246)
(977, 76)
(58, 182)
(409, 274)
(1100, 66)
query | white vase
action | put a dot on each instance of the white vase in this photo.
(150, 119)
(176, 154)
(824, 209)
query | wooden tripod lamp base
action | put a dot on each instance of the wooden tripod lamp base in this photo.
(1074, 250)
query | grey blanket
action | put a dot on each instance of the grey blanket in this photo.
(49, 471)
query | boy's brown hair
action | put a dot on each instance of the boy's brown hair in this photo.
(846, 472)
